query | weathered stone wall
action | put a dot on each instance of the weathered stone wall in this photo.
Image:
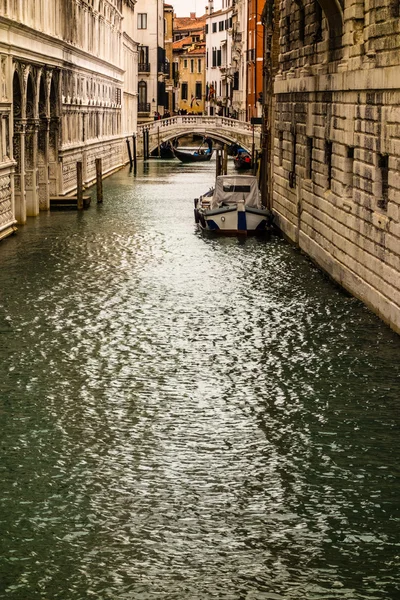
(336, 181)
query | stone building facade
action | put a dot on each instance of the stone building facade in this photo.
(336, 164)
(63, 80)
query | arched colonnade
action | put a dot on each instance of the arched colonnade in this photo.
(36, 124)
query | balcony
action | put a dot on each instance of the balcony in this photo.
(144, 107)
(144, 67)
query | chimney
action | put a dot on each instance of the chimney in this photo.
(193, 15)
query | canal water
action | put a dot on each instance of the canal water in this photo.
(186, 417)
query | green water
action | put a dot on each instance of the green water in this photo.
(186, 417)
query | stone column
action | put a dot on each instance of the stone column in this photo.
(31, 168)
(19, 178)
(43, 165)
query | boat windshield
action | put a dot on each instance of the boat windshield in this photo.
(231, 189)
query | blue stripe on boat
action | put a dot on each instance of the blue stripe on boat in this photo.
(241, 222)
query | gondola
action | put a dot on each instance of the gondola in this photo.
(197, 156)
(242, 161)
(200, 155)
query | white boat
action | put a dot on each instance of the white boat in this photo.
(233, 206)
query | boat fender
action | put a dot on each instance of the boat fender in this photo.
(195, 202)
(202, 221)
(196, 215)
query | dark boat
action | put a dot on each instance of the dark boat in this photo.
(200, 155)
(197, 156)
(242, 161)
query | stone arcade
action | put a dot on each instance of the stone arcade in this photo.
(66, 69)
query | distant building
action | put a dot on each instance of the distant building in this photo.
(152, 66)
(220, 72)
(239, 62)
(168, 47)
(189, 64)
(254, 58)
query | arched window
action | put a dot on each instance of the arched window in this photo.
(142, 89)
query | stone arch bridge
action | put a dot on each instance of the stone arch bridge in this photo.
(220, 129)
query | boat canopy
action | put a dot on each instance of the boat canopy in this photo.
(231, 189)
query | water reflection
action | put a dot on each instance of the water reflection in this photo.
(187, 417)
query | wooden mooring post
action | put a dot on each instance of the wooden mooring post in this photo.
(79, 185)
(134, 154)
(225, 160)
(128, 144)
(99, 181)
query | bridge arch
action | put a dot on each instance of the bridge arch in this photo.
(220, 129)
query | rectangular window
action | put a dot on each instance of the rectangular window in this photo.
(192, 65)
(395, 8)
(206, 28)
(309, 152)
(328, 162)
(383, 165)
(221, 26)
(292, 174)
(214, 27)
(236, 80)
(280, 148)
(185, 63)
(142, 21)
(349, 170)
(214, 57)
(199, 90)
(199, 65)
(219, 58)
(184, 91)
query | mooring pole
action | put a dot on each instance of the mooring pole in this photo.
(99, 181)
(225, 160)
(146, 153)
(218, 163)
(79, 186)
(134, 154)
(158, 142)
(129, 152)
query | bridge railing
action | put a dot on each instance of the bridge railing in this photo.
(193, 120)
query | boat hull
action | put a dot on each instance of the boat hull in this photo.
(189, 157)
(233, 221)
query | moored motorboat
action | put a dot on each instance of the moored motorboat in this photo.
(233, 207)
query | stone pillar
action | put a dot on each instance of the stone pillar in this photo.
(43, 165)
(31, 168)
(19, 178)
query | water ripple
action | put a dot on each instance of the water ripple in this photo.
(188, 417)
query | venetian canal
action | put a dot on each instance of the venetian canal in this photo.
(186, 417)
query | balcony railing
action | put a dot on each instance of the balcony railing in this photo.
(144, 107)
(144, 67)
